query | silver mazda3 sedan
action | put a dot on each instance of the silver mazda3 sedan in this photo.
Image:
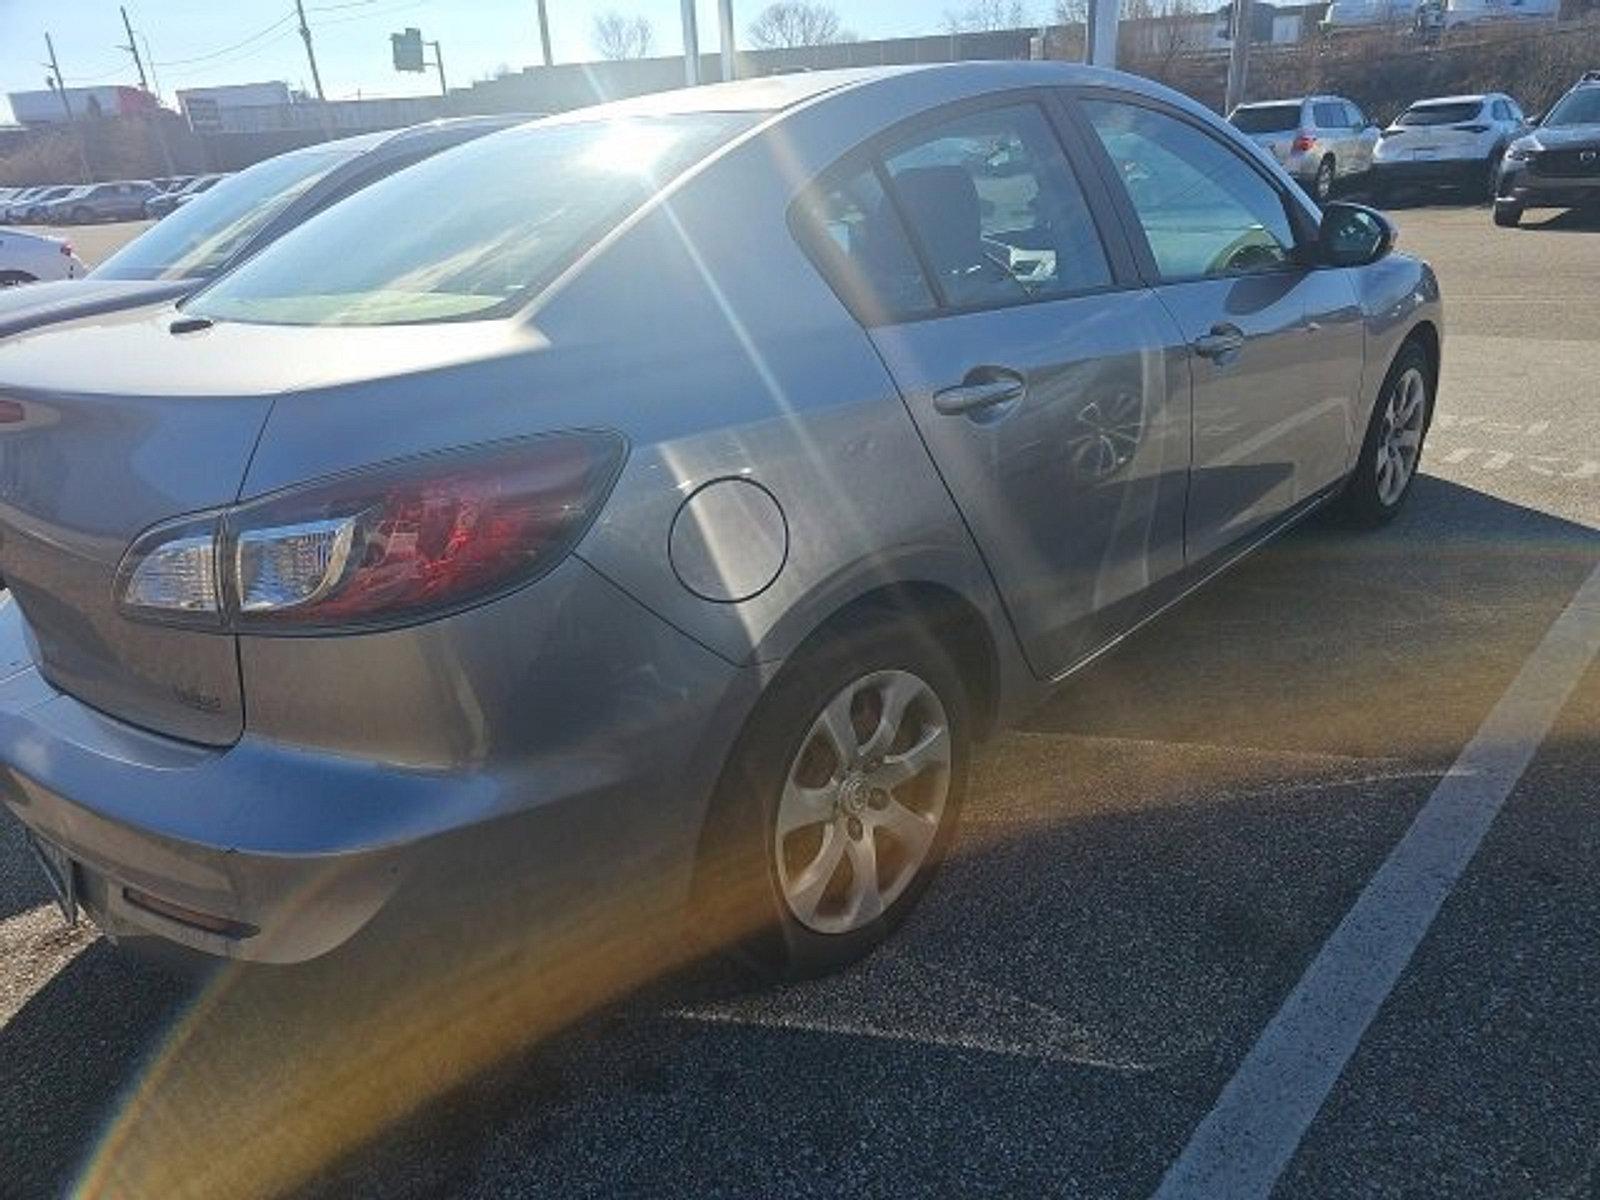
(681, 500)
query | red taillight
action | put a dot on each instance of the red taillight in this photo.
(380, 546)
(1303, 141)
(66, 249)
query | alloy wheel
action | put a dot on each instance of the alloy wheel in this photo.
(1400, 441)
(862, 801)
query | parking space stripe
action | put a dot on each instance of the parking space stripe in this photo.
(1244, 1143)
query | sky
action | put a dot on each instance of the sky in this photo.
(195, 43)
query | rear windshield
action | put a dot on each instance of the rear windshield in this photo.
(1269, 118)
(471, 233)
(1441, 114)
(199, 238)
(1576, 108)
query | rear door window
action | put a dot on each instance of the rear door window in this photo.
(996, 210)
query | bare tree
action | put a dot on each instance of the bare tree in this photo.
(1072, 12)
(976, 16)
(616, 36)
(789, 23)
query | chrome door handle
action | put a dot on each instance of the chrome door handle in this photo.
(1221, 344)
(985, 393)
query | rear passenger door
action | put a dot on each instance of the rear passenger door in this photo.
(1048, 384)
(1275, 345)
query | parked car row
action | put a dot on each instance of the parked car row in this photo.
(1482, 144)
(117, 200)
(486, 531)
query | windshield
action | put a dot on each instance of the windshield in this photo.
(1577, 108)
(202, 236)
(1441, 114)
(523, 204)
(1270, 118)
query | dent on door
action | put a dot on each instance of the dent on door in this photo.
(1062, 431)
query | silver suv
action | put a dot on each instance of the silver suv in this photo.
(1557, 164)
(1320, 140)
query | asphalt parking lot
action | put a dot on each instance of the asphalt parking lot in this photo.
(1148, 870)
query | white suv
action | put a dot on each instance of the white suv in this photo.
(1453, 141)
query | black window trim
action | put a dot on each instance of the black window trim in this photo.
(869, 155)
(1301, 221)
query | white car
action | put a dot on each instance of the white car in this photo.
(30, 257)
(1452, 141)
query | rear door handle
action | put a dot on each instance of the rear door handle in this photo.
(995, 387)
(1221, 344)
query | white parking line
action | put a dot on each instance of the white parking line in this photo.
(1244, 1143)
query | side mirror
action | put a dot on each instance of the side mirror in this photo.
(1353, 235)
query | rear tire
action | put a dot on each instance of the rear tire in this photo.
(796, 905)
(81, 216)
(1391, 453)
(15, 278)
(1507, 213)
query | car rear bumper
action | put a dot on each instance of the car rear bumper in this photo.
(1433, 171)
(298, 849)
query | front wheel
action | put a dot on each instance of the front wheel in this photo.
(839, 802)
(1392, 449)
(1507, 213)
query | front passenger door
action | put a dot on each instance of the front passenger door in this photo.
(1275, 345)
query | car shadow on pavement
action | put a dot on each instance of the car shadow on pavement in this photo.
(1144, 866)
(1571, 220)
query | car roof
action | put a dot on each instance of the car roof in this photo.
(1464, 98)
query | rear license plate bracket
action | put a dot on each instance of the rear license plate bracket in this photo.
(60, 872)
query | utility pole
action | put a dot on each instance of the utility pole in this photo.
(133, 48)
(60, 86)
(730, 65)
(311, 53)
(1238, 55)
(1100, 33)
(544, 35)
(438, 61)
(691, 44)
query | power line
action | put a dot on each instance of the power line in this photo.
(254, 37)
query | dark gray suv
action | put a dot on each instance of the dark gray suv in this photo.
(1557, 165)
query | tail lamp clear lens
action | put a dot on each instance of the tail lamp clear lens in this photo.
(173, 570)
(380, 546)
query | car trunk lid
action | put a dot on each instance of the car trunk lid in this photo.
(107, 427)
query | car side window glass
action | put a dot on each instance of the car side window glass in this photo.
(1502, 111)
(1329, 116)
(850, 228)
(1357, 119)
(996, 209)
(1204, 211)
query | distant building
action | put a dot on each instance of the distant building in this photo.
(209, 109)
(44, 107)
